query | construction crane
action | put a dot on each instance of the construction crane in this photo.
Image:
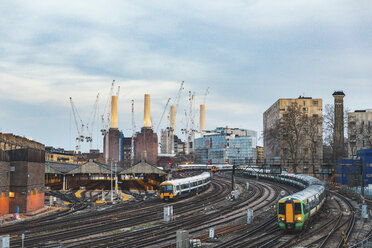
(205, 95)
(106, 117)
(90, 124)
(133, 134)
(189, 123)
(162, 115)
(79, 126)
(178, 97)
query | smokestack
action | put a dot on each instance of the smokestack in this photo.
(147, 112)
(173, 118)
(202, 117)
(338, 129)
(114, 112)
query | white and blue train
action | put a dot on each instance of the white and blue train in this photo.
(173, 189)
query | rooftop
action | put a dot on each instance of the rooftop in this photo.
(338, 93)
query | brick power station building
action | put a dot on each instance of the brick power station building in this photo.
(22, 169)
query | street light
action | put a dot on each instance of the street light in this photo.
(112, 193)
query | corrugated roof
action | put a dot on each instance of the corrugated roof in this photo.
(143, 168)
(58, 167)
(91, 168)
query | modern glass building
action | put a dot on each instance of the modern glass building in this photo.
(237, 146)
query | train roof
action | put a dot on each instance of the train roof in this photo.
(306, 193)
(204, 165)
(204, 175)
(309, 179)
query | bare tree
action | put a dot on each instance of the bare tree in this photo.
(360, 135)
(328, 128)
(314, 136)
(292, 133)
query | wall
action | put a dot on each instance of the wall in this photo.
(147, 141)
(4, 183)
(27, 179)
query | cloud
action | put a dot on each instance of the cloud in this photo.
(249, 52)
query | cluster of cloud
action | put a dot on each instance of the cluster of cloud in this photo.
(249, 52)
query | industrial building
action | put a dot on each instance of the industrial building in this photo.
(147, 139)
(59, 155)
(275, 149)
(233, 145)
(111, 141)
(22, 169)
(359, 131)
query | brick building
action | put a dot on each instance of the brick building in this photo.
(147, 146)
(4, 182)
(22, 170)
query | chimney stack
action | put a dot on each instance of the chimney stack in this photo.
(114, 112)
(202, 117)
(147, 112)
(173, 119)
(338, 132)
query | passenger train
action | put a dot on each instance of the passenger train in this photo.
(295, 210)
(173, 189)
(215, 167)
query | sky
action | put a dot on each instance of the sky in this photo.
(248, 52)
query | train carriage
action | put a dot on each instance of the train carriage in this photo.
(295, 210)
(173, 189)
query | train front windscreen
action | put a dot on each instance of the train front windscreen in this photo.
(166, 189)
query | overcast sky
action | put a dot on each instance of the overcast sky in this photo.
(249, 52)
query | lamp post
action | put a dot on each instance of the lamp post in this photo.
(112, 193)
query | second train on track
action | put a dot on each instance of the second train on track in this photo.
(173, 189)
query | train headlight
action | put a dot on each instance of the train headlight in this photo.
(281, 218)
(299, 218)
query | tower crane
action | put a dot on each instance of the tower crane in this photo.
(106, 117)
(189, 123)
(80, 129)
(162, 115)
(177, 99)
(90, 124)
(205, 95)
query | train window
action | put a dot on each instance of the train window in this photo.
(281, 208)
(166, 188)
(305, 207)
(297, 208)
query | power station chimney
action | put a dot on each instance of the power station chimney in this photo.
(114, 112)
(338, 132)
(173, 119)
(202, 117)
(147, 112)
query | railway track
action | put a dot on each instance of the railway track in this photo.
(111, 219)
(257, 204)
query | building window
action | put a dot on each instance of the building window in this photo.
(315, 103)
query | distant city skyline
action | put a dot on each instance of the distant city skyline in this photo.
(250, 54)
